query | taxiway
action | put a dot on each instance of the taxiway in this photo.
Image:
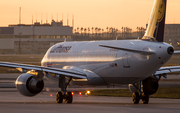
(12, 101)
(44, 103)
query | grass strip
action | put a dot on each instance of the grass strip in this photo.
(165, 92)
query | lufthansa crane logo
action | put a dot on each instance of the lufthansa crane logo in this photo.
(161, 11)
(61, 49)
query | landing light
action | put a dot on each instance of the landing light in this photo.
(88, 92)
(51, 95)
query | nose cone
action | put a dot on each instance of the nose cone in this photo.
(170, 50)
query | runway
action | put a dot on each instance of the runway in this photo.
(44, 103)
(12, 101)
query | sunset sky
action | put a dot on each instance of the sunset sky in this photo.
(87, 13)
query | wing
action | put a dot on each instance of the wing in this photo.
(164, 70)
(66, 72)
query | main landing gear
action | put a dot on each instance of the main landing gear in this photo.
(68, 97)
(136, 98)
(63, 94)
(139, 94)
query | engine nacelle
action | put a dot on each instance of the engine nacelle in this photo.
(150, 85)
(28, 85)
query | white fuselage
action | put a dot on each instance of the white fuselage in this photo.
(112, 65)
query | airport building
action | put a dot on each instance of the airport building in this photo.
(38, 38)
(172, 35)
(32, 39)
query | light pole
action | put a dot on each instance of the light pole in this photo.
(122, 31)
(20, 43)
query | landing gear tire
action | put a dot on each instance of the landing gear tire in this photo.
(136, 98)
(145, 98)
(69, 97)
(59, 97)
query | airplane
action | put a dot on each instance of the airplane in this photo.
(95, 63)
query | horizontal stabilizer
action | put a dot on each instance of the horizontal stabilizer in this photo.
(176, 52)
(130, 50)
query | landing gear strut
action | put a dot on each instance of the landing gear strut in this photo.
(140, 94)
(63, 94)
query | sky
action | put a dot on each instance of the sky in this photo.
(87, 13)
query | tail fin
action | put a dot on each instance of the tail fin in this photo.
(155, 29)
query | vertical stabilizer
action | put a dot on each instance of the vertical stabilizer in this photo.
(155, 29)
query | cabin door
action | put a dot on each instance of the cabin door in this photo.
(126, 57)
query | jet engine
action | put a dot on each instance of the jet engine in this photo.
(29, 84)
(150, 85)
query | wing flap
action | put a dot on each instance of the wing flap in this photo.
(66, 72)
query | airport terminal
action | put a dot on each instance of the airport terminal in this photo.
(37, 38)
(32, 39)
